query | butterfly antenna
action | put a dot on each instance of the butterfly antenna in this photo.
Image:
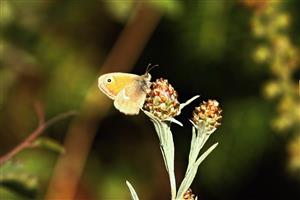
(149, 67)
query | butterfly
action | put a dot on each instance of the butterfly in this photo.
(128, 90)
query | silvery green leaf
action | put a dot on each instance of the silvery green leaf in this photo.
(182, 105)
(189, 177)
(193, 141)
(152, 117)
(165, 136)
(199, 137)
(193, 154)
(206, 153)
(175, 121)
(133, 194)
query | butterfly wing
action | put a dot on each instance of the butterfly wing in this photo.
(118, 81)
(131, 98)
(127, 90)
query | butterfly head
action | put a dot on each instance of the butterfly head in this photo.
(107, 84)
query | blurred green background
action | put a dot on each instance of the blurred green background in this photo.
(53, 51)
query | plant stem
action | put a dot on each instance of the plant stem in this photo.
(32, 136)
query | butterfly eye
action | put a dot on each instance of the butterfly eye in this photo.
(108, 80)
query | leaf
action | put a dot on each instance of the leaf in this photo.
(134, 196)
(48, 144)
(189, 177)
(14, 177)
(193, 149)
(175, 121)
(182, 105)
(165, 136)
(199, 137)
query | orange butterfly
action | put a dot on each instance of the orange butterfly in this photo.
(127, 90)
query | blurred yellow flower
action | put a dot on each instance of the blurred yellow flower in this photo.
(271, 89)
(261, 54)
(271, 24)
(283, 20)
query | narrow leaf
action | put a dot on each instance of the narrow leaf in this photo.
(189, 177)
(48, 144)
(188, 101)
(134, 196)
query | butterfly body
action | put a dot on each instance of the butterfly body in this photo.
(127, 90)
